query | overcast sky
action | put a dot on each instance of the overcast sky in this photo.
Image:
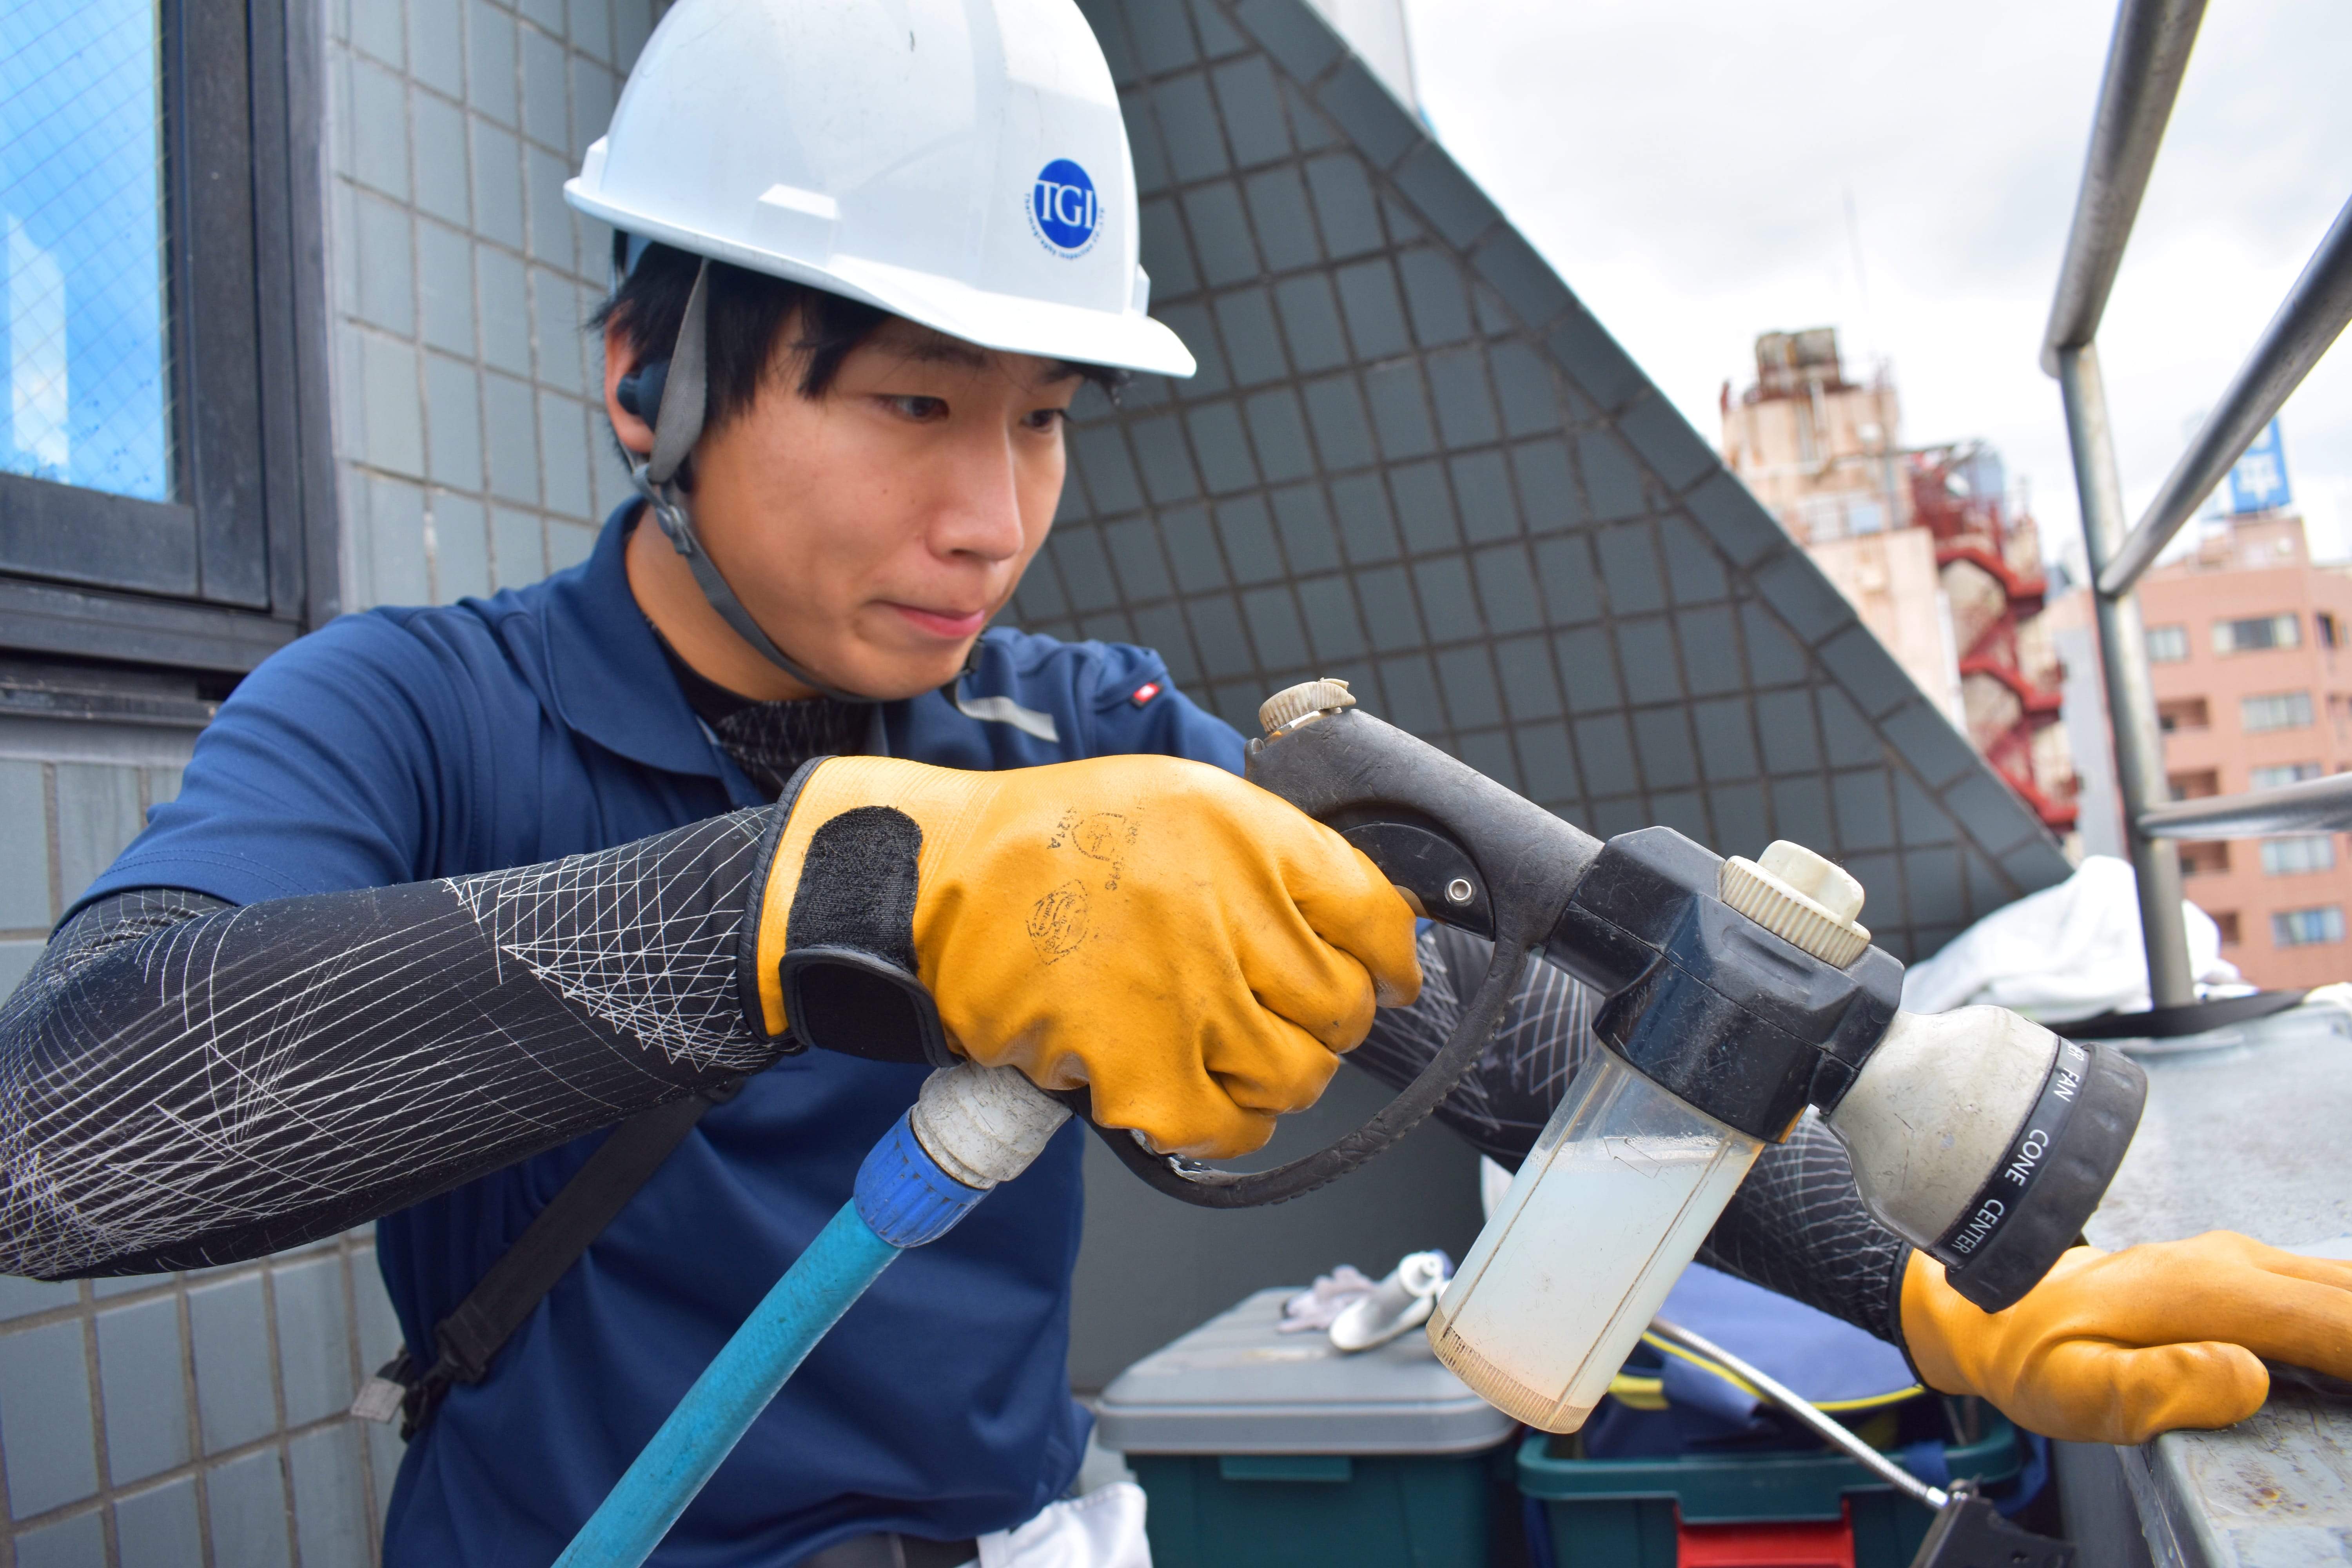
(1685, 164)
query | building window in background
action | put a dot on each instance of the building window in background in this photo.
(2258, 633)
(2203, 860)
(85, 355)
(2183, 713)
(2303, 852)
(2275, 710)
(2307, 928)
(2284, 773)
(2168, 645)
(2227, 919)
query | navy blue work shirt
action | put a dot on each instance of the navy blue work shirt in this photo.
(406, 744)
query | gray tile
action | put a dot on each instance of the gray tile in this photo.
(453, 422)
(1868, 672)
(387, 287)
(1693, 571)
(1529, 690)
(1389, 614)
(1740, 527)
(379, 130)
(1710, 649)
(1506, 590)
(1611, 482)
(1166, 242)
(512, 432)
(98, 815)
(313, 1339)
(1595, 362)
(1161, 34)
(1166, 464)
(395, 429)
(1161, 628)
(1221, 236)
(1795, 587)
(552, 234)
(498, 210)
(1275, 627)
(395, 544)
(1629, 814)
(1284, 224)
(1588, 665)
(1400, 415)
(1465, 415)
(1134, 550)
(1524, 279)
(1442, 585)
(1218, 37)
(141, 1375)
(1548, 766)
(1146, 148)
(1741, 824)
(1086, 570)
(1367, 528)
(1605, 747)
(461, 549)
(1546, 489)
(1473, 700)
(1490, 754)
(1411, 690)
(1425, 507)
(1191, 135)
(1989, 812)
(1278, 430)
(330, 1520)
(1847, 739)
(18, 957)
(1447, 198)
(490, 82)
(1217, 634)
(1368, 293)
(22, 1298)
(2037, 863)
(1571, 589)
(563, 449)
(1329, 610)
(1629, 569)
(1310, 322)
(1253, 111)
(1344, 206)
(247, 1499)
(545, 114)
(1190, 322)
(1364, 110)
(1343, 435)
(592, 102)
(23, 859)
(45, 1421)
(1307, 530)
(1774, 658)
(436, 45)
(506, 311)
(439, 127)
(75, 1542)
(1919, 817)
(444, 267)
(1524, 384)
(1926, 739)
(1800, 811)
(158, 1528)
(1246, 530)
(1298, 40)
(1193, 551)
(1685, 811)
(547, 14)
(229, 1328)
(568, 544)
(1645, 651)
(1785, 722)
(1253, 347)
(1666, 441)
(591, 23)
(1936, 894)
(1865, 816)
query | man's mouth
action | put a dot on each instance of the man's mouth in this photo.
(951, 626)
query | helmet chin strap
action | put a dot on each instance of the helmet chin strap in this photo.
(678, 425)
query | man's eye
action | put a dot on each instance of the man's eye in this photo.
(1044, 418)
(921, 409)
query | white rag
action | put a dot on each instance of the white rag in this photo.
(1104, 1529)
(2064, 953)
(1316, 1308)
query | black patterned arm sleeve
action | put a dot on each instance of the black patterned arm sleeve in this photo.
(184, 1082)
(1796, 1225)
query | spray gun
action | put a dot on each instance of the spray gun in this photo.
(1736, 993)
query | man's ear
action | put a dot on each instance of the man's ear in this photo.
(620, 359)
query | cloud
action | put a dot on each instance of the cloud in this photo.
(1686, 166)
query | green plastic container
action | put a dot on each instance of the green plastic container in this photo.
(1620, 1513)
(1261, 1449)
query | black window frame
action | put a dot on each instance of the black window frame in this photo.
(244, 558)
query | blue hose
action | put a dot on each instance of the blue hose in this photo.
(903, 1200)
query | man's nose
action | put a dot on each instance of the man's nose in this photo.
(978, 511)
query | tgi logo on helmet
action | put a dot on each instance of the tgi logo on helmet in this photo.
(1064, 211)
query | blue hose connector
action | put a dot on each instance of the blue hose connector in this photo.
(904, 1196)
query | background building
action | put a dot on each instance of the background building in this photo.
(1922, 541)
(1413, 459)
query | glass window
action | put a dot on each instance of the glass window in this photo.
(2284, 773)
(2168, 645)
(85, 361)
(2277, 710)
(2304, 852)
(2303, 927)
(2261, 632)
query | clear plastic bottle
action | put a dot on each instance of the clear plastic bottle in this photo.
(1609, 1207)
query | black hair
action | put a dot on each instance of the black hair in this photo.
(746, 315)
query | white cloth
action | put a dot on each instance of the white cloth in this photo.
(1104, 1529)
(2066, 952)
(1316, 1308)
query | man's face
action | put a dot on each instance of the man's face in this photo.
(871, 531)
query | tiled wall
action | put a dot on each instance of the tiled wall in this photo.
(470, 450)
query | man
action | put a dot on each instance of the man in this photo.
(449, 891)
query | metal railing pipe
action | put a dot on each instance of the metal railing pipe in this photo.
(2131, 693)
(2315, 805)
(2145, 62)
(2311, 320)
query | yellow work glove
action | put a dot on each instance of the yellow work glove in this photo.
(1192, 948)
(2116, 1347)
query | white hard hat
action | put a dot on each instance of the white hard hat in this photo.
(958, 162)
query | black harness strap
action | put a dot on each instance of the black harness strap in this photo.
(469, 1339)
